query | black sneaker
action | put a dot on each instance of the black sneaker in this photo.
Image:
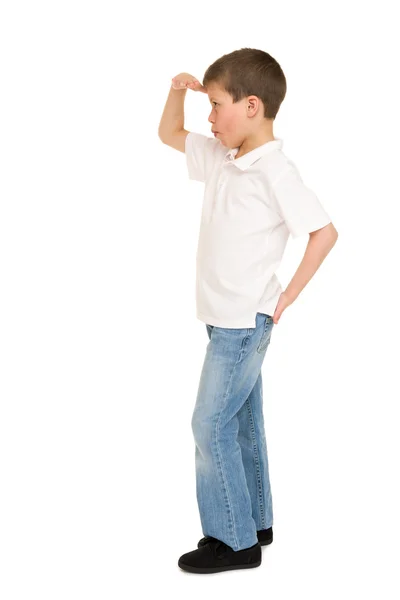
(215, 556)
(264, 536)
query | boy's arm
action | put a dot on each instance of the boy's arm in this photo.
(302, 212)
(171, 130)
(319, 245)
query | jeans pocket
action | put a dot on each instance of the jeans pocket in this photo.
(266, 335)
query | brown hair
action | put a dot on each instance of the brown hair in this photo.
(247, 72)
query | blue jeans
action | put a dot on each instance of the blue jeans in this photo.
(232, 479)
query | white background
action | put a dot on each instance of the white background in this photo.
(101, 351)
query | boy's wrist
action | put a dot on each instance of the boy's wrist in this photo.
(290, 295)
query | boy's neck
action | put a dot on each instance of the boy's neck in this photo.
(256, 140)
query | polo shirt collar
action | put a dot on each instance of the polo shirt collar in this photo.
(245, 161)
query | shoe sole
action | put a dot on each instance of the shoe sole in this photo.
(261, 543)
(217, 569)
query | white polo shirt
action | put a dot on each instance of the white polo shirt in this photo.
(250, 207)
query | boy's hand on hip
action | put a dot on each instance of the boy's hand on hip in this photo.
(186, 81)
(283, 302)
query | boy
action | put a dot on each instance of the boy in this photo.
(254, 197)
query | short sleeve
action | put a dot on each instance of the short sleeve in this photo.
(200, 155)
(298, 205)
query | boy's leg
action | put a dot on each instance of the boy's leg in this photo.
(253, 445)
(230, 371)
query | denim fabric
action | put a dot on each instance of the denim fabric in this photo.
(232, 479)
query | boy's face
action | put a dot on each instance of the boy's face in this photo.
(228, 119)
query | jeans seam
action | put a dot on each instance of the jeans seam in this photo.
(220, 461)
(257, 463)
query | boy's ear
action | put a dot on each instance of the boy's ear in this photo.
(253, 102)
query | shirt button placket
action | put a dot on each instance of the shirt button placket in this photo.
(220, 184)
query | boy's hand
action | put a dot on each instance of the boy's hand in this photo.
(283, 302)
(187, 81)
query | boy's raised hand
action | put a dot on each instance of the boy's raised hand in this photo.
(187, 81)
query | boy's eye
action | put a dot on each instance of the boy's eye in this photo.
(214, 103)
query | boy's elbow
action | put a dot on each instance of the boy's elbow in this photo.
(335, 234)
(332, 231)
(328, 232)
